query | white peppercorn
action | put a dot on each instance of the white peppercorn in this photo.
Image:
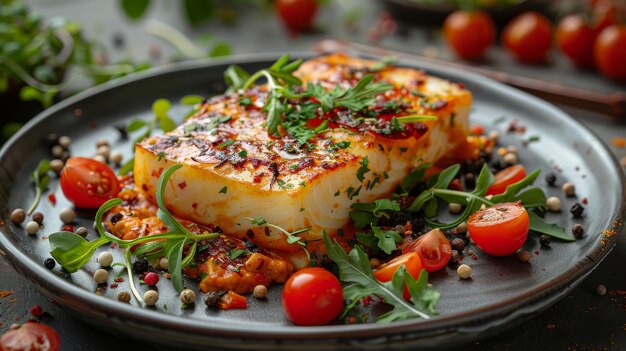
(102, 142)
(464, 271)
(260, 292)
(187, 296)
(164, 263)
(553, 204)
(32, 227)
(151, 297)
(105, 259)
(56, 165)
(454, 208)
(104, 150)
(67, 215)
(510, 158)
(117, 157)
(461, 228)
(57, 151)
(569, 189)
(65, 141)
(100, 276)
(494, 136)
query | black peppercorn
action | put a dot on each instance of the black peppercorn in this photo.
(121, 129)
(212, 298)
(49, 263)
(140, 266)
(578, 230)
(544, 240)
(550, 179)
(577, 210)
(458, 244)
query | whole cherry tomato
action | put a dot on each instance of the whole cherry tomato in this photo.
(87, 182)
(297, 15)
(411, 262)
(30, 337)
(506, 177)
(528, 37)
(469, 33)
(610, 52)
(312, 296)
(575, 38)
(433, 249)
(501, 229)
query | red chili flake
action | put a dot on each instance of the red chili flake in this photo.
(36, 311)
(367, 300)
(474, 257)
(584, 200)
(455, 184)
(194, 205)
(537, 252)
(52, 199)
(119, 279)
(113, 286)
(168, 276)
(182, 185)
(114, 245)
(151, 279)
(68, 228)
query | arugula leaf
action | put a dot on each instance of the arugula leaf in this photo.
(72, 251)
(41, 179)
(387, 239)
(356, 272)
(414, 177)
(364, 214)
(511, 190)
(539, 225)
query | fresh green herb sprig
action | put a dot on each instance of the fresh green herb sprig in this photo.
(530, 197)
(356, 272)
(279, 77)
(292, 237)
(41, 179)
(72, 251)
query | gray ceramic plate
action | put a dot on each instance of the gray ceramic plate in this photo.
(503, 291)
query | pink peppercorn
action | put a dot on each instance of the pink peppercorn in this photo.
(151, 279)
(36, 311)
(68, 228)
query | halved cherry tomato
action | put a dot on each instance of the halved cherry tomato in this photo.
(528, 36)
(610, 52)
(232, 300)
(412, 264)
(88, 183)
(506, 177)
(575, 38)
(433, 249)
(29, 337)
(499, 230)
(312, 296)
(469, 33)
(297, 15)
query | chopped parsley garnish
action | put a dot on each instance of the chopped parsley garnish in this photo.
(281, 184)
(245, 101)
(343, 144)
(243, 153)
(234, 253)
(224, 190)
(160, 155)
(360, 173)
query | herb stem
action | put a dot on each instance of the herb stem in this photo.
(131, 280)
(461, 194)
(37, 200)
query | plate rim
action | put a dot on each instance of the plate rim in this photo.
(576, 273)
